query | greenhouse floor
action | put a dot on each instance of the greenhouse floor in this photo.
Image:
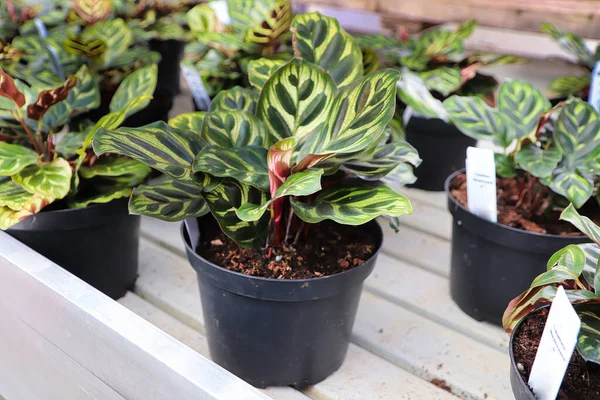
(410, 340)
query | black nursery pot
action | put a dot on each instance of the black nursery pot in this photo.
(273, 332)
(491, 263)
(98, 244)
(171, 52)
(519, 387)
(441, 146)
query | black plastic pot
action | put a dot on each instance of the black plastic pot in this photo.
(99, 243)
(492, 263)
(519, 387)
(171, 52)
(273, 332)
(441, 146)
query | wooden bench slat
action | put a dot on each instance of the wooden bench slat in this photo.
(165, 281)
(362, 376)
(432, 351)
(428, 294)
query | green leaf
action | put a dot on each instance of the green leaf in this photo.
(14, 157)
(274, 24)
(576, 135)
(352, 205)
(51, 179)
(413, 92)
(169, 200)
(576, 187)
(571, 43)
(401, 175)
(12, 195)
(370, 60)
(521, 104)
(191, 122)
(443, 79)
(141, 82)
(377, 42)
(505, 166)
(246, 164)
(234, 99)
(202, 18)
(296, 100)
(588, 341)
(234, 129)
(115, 34)
(374, 165)
(565, 86)
(106, 195)
(473, 117)
(322, 41)
(565, 264)
(537, 161)
(465, 30)
(157, 145)
(259, 71)
(224, 200)
(358, 116)
(298, 184)
(584, 224)
(85, 95)
(115, 167)
(33, 205)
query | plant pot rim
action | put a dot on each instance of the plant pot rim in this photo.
(74, 215)
(456, 205)
(351, 271)
(511, 354)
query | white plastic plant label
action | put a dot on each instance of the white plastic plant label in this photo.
(481, 183)
(194, 81)
(222, 10)
(556, 348)
(594, 96)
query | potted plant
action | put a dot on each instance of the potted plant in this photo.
(56, 196)
(291, 175)
(574, 267)
(221, 53)
(548, 160)
(18, 17)
(572, 85)
(433, 67)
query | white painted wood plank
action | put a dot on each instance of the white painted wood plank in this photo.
(428, 219)
(417, 248)
(471, 368)
(434, 199)
(191, 337)
(32, 368)
(431, 351)
(136, 359)
(428, 294)
(160, 282)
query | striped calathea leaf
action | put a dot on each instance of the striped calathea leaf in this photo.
(576, 138)
(49, 179)
(520, 105)
(157, 145)
(565, 86)
(234, 99)
(413, 92)
(571, 43)
(322, 41)
(234, 129)
(352, 205)
(259, 71)
(576, 268)
(444, 80)
(34, 204)
(113, 38)
(169, 200)
(191, 122)
(14, 157)
(274, 24)
(139, 83)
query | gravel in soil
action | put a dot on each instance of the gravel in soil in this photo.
(327, 249)
(582, 380)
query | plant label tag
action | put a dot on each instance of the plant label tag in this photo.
(194, 81)
(594, 96)
(481, 183)
(222, 10)
(556, 348)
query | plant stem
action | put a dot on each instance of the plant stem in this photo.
(299, 232)
(19, 117)
(289, 224)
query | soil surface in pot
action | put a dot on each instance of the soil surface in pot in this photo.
(582, 380)
(327, 249)
(522, 211)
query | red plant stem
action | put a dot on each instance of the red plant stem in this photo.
(299, 232)
(289, 224)
(278, 221)
(49, 142)
(30, 135)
